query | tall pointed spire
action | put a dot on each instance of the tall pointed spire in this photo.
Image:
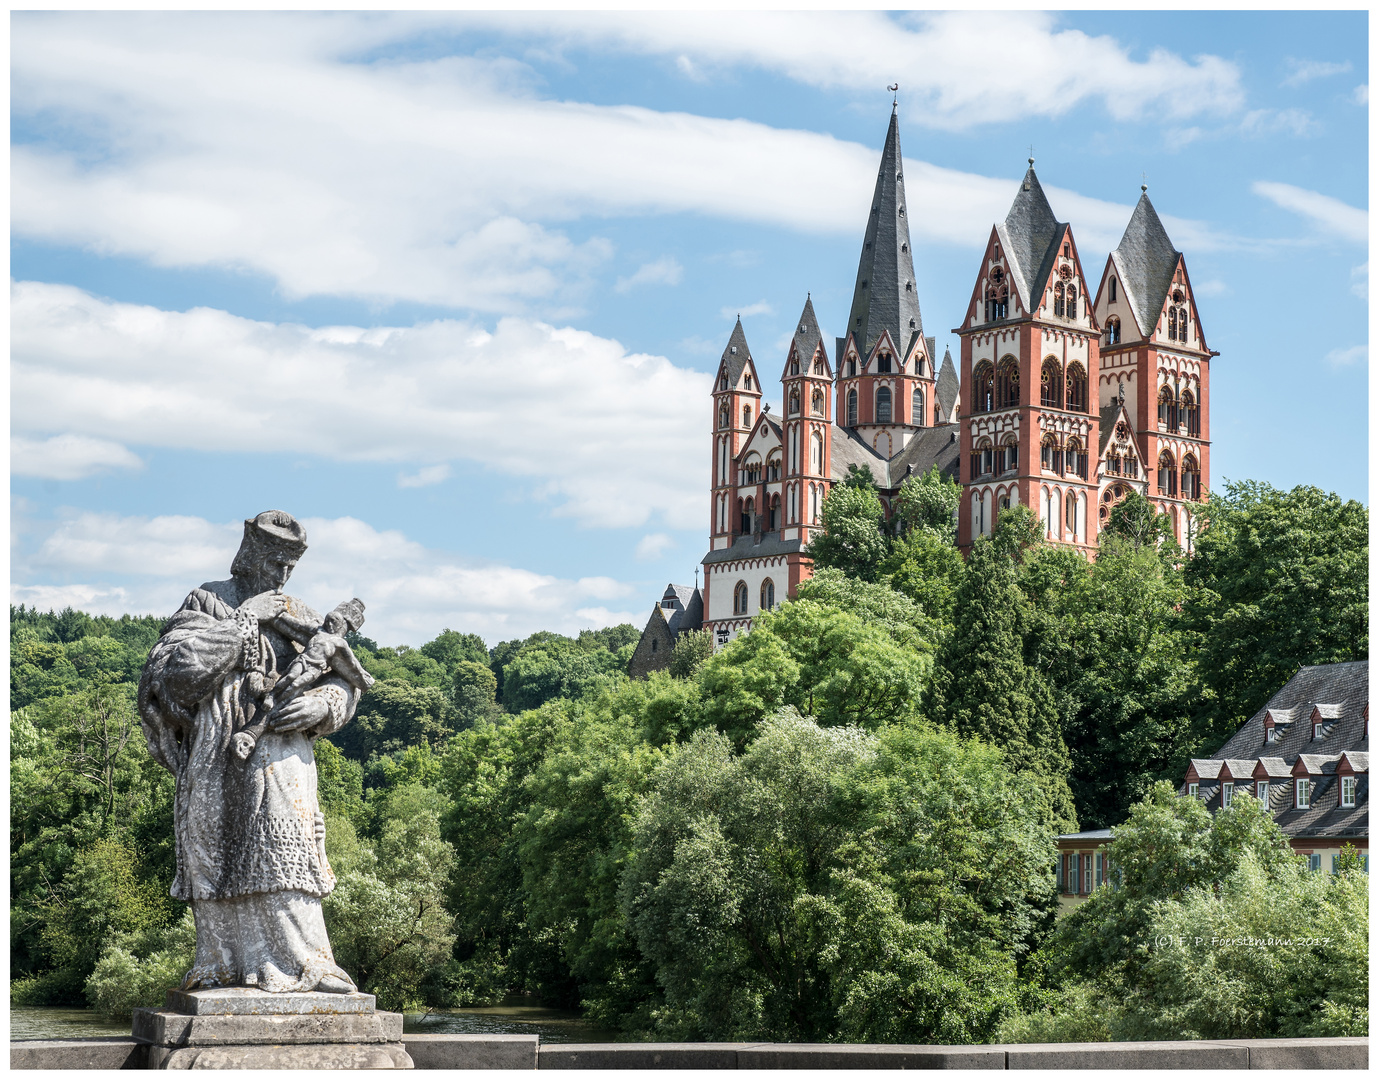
(736, 355)
(1027, 234)
(1146, 259)
(807, 333)
(885, 296)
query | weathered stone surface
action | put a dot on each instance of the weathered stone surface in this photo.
(164, 1028)
(472, 1051)
(96, 1053)
(856, 1056)
(639, 1055)
(1143, 1055)
(234, 692)
(1337, 1053)
(313, 1056)
(246, 1001)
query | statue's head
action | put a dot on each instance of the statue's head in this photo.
(272, 544)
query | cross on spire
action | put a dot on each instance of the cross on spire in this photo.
(1031, 153)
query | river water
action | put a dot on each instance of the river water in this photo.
(511, 1017)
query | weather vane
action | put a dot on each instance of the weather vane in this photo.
(894, 88)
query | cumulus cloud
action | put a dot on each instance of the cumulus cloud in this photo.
(653, 545)
(572, 415)
(114, 564)
(1329, 215)
(68, 457)
(424, 477)
(1304, 71)
(761, 307)
(263, 143)
(1345, 357)
(666, 271)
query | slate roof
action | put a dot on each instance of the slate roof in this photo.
(1029, 238)
(880, 298)
(735, 361)
(743, 548)
(689, 612)
(1145, 261)
(1344, 691)
(947, 390)
(1090, 834)
(928, 447)
(807, 333)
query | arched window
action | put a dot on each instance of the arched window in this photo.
(997, 296)
(768, 595)
(752, 469)
(818, 366)
(792, 501)
(883, 405)
(852, 368)
(1172, 324)
(816, 403)
(746, 416)
(1166, 407)
(1113, 324)
(1113, 290)
(775, 513)
(723, 381)
(1076, 458)
(740, 599)
(1007, 384)
(1051, 384)
(1047, 449)
(794, 402)
(744, 520)
(814, 496)
(982, 463)
(794, 366)
(1168, 475)
(852, 408)
(1072, 301)
(1070, 515)
(1187, 410)
(1192, 478)
(1077, 388)
(917, 406)
(983, 396)
(773, 468)
(883, 364)
(1058, 300)
(1010, 455)
(723, 416)
(816, 453)
(1113, 462)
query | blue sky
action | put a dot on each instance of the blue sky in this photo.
(450, 287)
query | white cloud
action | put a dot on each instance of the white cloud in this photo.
(259, 142)
(1214, 287)
(1328, 214)
(761, 307)
(1360, 95)
(68, 457)
(1261, 122)
(1345, 357)
(424, 477)
(666, 271)
(1029, 66)
(136, 564)
(653, 545)
(1304, 71)
(573, 415)
(1359, 281)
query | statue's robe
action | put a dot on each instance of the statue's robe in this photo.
(248, 855)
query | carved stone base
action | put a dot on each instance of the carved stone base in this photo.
(245, 1028)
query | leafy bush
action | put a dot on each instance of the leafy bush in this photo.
(137, 970)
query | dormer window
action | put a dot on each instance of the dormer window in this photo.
(1304, 793)
(1348, 792)
(1262, 791)
(1192, 790)
(1317, 730)
(1227, 790)
(1271, 733)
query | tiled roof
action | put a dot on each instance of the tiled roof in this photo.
(1029, 238)
(743, 548)
(1145, 261)
(886, 296)
(736, 355)
(926, 448)
(1343, 685)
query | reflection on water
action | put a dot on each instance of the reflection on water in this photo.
(511, 1017)
(61, 1022)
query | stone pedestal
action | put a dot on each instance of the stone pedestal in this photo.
(244, 1028)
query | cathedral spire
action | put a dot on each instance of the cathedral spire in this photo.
(1029, 234)
(885, 296)
(1147, 261)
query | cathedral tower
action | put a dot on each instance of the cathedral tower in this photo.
(1030, 367)
(807, 390)
(736, 406)
(885, 365)
(1155, 374)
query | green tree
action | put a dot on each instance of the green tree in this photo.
(474, 690)
(929, 502)
(394, 715)
(691, 649)
(450, 648)
(1280, 581)
(852, 540)
(928, 569)
(1135, 521)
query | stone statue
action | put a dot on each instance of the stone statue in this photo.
(243, 680)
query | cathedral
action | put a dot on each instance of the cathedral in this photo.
(1068, 399)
